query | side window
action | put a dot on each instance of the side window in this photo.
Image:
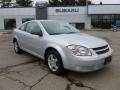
(22, 28)
(29, 27)
(32, 26)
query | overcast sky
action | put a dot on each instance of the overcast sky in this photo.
(107, 1)
(98, 1)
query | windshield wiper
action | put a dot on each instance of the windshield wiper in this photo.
(63, 33)
(70, 32)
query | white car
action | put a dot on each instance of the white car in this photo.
(62, 46)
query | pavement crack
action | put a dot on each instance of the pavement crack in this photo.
(6, 70)
(68, 87)
(77, 83)
(16, 80)
(23, 83)
(39, 80)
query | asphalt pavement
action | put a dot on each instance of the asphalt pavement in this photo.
(26, 72)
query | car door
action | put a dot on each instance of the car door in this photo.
(34, 42)
(20, 33)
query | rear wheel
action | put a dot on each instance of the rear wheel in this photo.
(54, 62)
(16, 47)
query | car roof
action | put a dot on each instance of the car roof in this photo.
(36, 21)
(44, 20)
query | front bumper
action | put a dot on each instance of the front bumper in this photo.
(86, 63)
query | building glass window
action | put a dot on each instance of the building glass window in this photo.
(27, 19)
(9, 23)
(80, 25)
(104, 21)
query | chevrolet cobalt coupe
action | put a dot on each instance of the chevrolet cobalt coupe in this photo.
(62, 46)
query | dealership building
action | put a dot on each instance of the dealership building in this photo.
(82, 17)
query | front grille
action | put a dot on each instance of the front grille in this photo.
(101, 50)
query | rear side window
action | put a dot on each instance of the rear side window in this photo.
(32, 26)
(22, 28)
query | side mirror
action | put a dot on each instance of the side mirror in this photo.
(37, 32)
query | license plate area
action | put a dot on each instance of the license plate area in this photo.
(108, 60)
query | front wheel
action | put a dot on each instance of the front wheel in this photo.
(54, 62)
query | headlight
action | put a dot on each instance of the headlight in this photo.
(79, 50)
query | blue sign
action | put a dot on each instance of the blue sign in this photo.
(41, 4)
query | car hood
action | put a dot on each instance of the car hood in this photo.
(80, 39)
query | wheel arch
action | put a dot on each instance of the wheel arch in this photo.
(57, 49)
(14, 39)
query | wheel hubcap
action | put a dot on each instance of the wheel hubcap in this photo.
(53, 62)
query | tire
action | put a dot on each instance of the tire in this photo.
(16, 47)
(54, 62)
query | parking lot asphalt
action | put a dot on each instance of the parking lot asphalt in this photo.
(26, 72)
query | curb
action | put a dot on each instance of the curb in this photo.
(4, 33)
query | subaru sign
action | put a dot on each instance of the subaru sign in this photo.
(41, 4)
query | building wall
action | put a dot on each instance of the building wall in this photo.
(88, 22)
(1, 23)
(70, 14)
(73, 15)
(41, 13)
(104, 9)
(15, 13)
(104, 16)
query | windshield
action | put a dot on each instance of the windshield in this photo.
(57, 27)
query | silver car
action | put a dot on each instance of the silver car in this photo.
(62, 46)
